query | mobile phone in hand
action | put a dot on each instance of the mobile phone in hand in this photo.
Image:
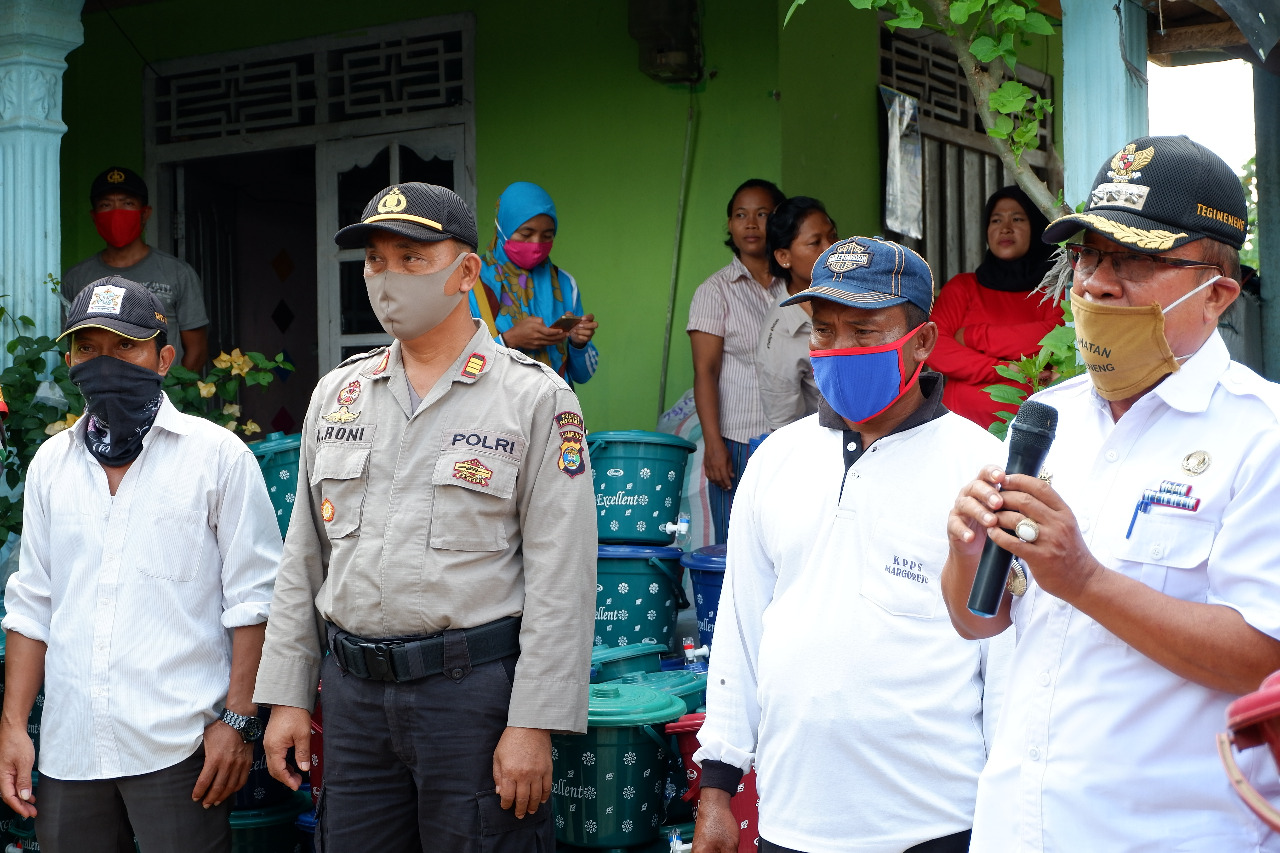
(566, 323)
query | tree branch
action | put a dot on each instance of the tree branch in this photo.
(982, 84)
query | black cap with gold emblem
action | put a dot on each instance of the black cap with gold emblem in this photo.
(117, 179)
(1159, 192)
(423, 212)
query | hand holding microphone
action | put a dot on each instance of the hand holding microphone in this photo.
(1030, 436)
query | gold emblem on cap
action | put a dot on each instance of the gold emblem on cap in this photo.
(160, 317)
(1196, 462)
(115, 176)
(1127, 162)
(392, 202)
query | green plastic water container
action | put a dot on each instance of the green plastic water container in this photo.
(690, 687)
(638, 479)
(269, 830)
(611, 662)
(608, 785)
(278, 457)
(638, 591)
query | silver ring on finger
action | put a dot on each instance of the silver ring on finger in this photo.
(1027, 530)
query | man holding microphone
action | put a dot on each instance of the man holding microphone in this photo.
(1154, 579)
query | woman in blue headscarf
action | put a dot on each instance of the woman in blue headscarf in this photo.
(528, 302)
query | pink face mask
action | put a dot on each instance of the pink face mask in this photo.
(527, 255)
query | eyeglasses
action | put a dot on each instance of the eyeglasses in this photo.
(1130, 266)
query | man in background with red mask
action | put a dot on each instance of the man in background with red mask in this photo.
(833, 669)
(118, 200)
(1150, 537)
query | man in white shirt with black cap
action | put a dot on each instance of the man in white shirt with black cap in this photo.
(149, 549)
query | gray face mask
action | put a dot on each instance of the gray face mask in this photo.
(409, 306)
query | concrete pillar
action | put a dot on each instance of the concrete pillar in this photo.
(1266, 130)
(1104, 87)
(35, 38)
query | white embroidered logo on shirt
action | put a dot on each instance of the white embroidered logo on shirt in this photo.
(106, 299)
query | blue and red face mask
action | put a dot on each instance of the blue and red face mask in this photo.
(860, 383)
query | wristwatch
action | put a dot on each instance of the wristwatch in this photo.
(250, 728)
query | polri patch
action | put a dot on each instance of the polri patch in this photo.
(484, 441)
(326, 510)
(350, 393)
(472, 471)
(475, 364)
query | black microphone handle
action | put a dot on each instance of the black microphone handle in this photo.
(993, 569)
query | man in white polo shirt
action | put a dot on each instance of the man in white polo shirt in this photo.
(1154, 592)
(834, 669)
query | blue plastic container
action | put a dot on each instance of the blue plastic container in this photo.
(306, 826)
(706, 571)
(278, 458)
(638, 591)
(639, 477)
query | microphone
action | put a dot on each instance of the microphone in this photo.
(1030, 436)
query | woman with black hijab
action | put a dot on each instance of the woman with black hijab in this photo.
(993, 315)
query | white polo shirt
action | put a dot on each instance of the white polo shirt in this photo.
(834, 665)
(1100, 748)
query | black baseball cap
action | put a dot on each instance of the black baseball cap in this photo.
(118, 179)
(118, 305)
(423, 212)
(1158, 193)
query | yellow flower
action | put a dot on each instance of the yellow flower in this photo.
(231, 425)
(207, 389)
(250, 427)
(240, 363)
(232, 409)
(58, 426)
(223, 360)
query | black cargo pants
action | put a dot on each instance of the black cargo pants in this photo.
(409, 767)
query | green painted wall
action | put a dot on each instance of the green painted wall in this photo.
(567, 109)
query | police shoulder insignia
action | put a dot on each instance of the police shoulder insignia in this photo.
(382, 365)
(350, 393)
(342, 416)
(1196, 462)
(326, 510)
(472, 471)
(475, 364)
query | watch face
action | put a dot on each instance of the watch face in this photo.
(252, 730)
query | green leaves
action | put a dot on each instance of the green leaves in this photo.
(909, 16)
(1055, 360)
(962, 10)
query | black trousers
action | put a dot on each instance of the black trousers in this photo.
(409, 767)
(94, 816)
(958, 843)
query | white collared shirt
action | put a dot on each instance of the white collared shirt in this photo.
(1099, 747)
(136, 594)
(834, 667)
(788, 391)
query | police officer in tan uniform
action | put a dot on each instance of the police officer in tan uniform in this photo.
(442, 548)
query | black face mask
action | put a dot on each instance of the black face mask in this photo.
(121, 401)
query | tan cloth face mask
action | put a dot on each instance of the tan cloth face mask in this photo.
(409, 306)
(1124, 347)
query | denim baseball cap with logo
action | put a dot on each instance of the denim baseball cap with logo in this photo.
(423, 212)
(1158, 193)
(868, 272)
(117, 305)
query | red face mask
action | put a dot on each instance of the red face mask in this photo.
(119, 226)
(527, 255)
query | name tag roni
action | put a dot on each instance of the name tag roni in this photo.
(341, 434)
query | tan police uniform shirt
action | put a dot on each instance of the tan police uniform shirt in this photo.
(474, 507)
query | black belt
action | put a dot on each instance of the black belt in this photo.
(452, 653)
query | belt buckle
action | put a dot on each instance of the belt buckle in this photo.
(377, 660)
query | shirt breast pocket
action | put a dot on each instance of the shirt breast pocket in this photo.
(176, 540)
(472, 502)
(339, 471)
(904, 581)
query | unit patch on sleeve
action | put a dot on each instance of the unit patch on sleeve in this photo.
(472, 471)
(326, 510)
(571, 461)
(350, 393)
(475, 364)
(570, 420)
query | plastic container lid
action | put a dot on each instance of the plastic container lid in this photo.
(306, 821)
(609, 654)
(687, 723)
(286, 812)
(276, 442)
(616, 705)
(639, 436)
(638, 552)
(708, 559)
(678, 681)
(1252, 709)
